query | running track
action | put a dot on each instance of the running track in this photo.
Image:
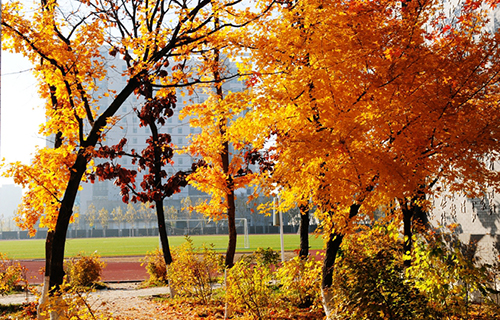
(119, 269)
(116, 270)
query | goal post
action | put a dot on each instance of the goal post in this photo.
(206, 227)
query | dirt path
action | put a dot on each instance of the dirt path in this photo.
(120, 300)
(114, 291)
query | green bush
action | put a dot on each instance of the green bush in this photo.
(84, 271)
(266, 257)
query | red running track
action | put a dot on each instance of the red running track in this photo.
(115, 271)
(118, 269)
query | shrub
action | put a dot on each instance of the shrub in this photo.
(69, 302)
(249, 287)
(84, 271)
(194, 271)
(12, 276)
(369, 280)
(266, 257)
(155, 267)
(300, 282)
(448, 276)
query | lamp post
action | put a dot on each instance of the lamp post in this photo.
(278, 221)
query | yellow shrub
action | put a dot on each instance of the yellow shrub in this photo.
(155, 267)
(84, 271)
(12, 275)
(300, 281)
(194, 271)
(71, 303)
(250, 288)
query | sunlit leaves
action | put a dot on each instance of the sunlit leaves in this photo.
(43, 182)
(359, 95)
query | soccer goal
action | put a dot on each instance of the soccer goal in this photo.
(207, 227)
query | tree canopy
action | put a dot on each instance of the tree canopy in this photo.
(370, 101)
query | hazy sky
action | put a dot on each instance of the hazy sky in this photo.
(22, 111)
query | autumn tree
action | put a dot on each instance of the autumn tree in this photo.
(91, 217)
(364, 103)
(104, 220)
(225, 170)
(131, 218)
(119, 217)
(147, 35)
(171, 212)
(156, 185)
(147, 215)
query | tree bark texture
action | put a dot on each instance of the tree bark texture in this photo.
(56, 271)
(162, 231)
(414, 219)
(304, 231)
(332, 248)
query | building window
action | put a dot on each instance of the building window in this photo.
(134, 120)
(134, 130)
(179, 141)
(170, 130)
(179, 130)
(192, 130)
(134, 140)
(181, 161)
(169, 120)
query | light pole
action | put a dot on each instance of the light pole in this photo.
(278, 221)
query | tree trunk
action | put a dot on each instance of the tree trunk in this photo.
(414, 218)
(56, 274)
(304, 231)
(332, 249)
(56, 271)
(231, 208)
(407, 234)
(49, 240)
(45, 290)
(231, 224)
(162, 231)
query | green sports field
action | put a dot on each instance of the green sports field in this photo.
(139, 246)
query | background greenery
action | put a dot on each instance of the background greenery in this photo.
(139, 246)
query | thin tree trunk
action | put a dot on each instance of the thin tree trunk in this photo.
(407, 234)
(231, 218)
(162, 230)
(304, 231)
(332, 248)
(56, 271)
(45, 290)
(231, 208)
(56, 274)
(414, 219)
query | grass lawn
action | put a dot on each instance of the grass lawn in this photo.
(138, 246)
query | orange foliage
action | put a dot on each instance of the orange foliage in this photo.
(72, 53)
(366, 101)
